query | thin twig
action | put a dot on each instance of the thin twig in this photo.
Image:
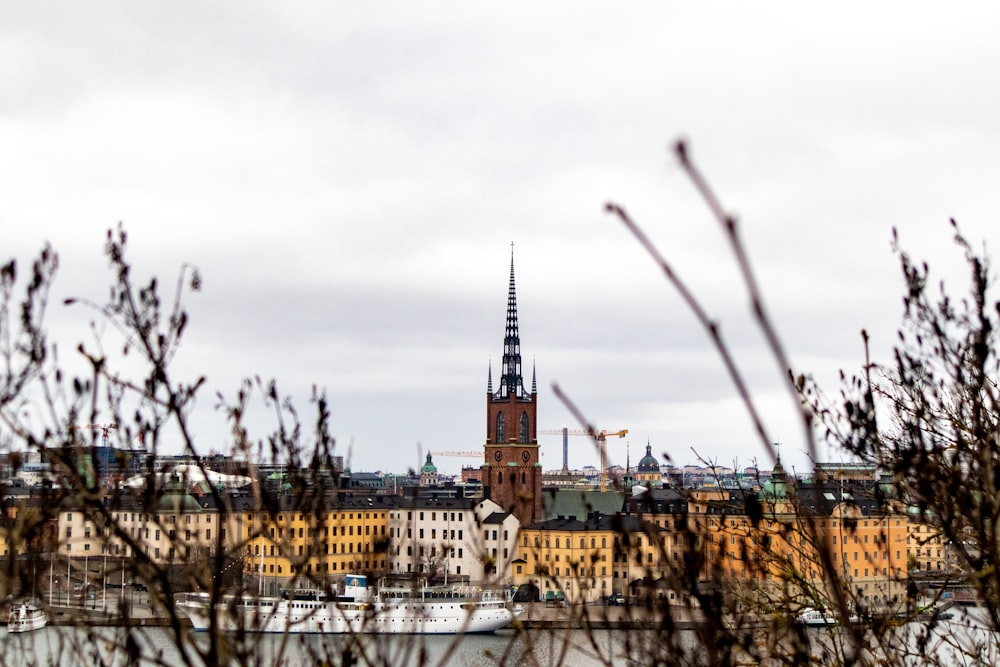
(710, 326)
(730, 228)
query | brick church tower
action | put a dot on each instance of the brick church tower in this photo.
(512, 473)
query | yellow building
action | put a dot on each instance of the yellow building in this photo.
(926, 547)
(774, 544)
(580, 560)
(290, 542)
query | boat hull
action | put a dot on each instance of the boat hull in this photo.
(393, 616)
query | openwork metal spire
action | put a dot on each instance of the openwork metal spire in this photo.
(511, 383)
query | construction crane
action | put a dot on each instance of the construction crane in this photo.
(98, 427)
(468, 454)
(600, 436)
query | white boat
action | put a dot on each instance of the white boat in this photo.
(25, 617)
(438, 610)
(820, 617)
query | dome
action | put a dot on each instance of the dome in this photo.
(648, 463)
(428, 466)
(182, 503)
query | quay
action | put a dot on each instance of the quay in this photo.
(542, 616)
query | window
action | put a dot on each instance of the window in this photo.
(501, 429)
(524, 427)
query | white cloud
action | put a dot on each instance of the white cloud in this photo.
(348, 179)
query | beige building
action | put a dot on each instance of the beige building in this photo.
(463, 538)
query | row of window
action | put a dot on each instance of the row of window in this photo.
(331, 566)
(308, 532)
(330, 549)
(445, 516)
(501, 428)
(333, 516)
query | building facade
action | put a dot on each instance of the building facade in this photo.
(452, 538)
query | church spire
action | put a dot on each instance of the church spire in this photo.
(511, 382)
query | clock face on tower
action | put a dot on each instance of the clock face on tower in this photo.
(525, 456)
(498, 456)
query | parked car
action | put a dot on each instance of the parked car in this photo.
(615, 600)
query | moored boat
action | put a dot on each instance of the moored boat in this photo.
(820, 617)
(26, 616)
(357, 609)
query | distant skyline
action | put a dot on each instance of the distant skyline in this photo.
(349, 178)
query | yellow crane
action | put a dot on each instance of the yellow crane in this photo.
(601, 437)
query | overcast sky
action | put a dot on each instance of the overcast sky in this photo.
(348, 177)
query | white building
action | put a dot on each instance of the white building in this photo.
(461, 538)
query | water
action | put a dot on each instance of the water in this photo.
(963, 640)
(103, 646)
